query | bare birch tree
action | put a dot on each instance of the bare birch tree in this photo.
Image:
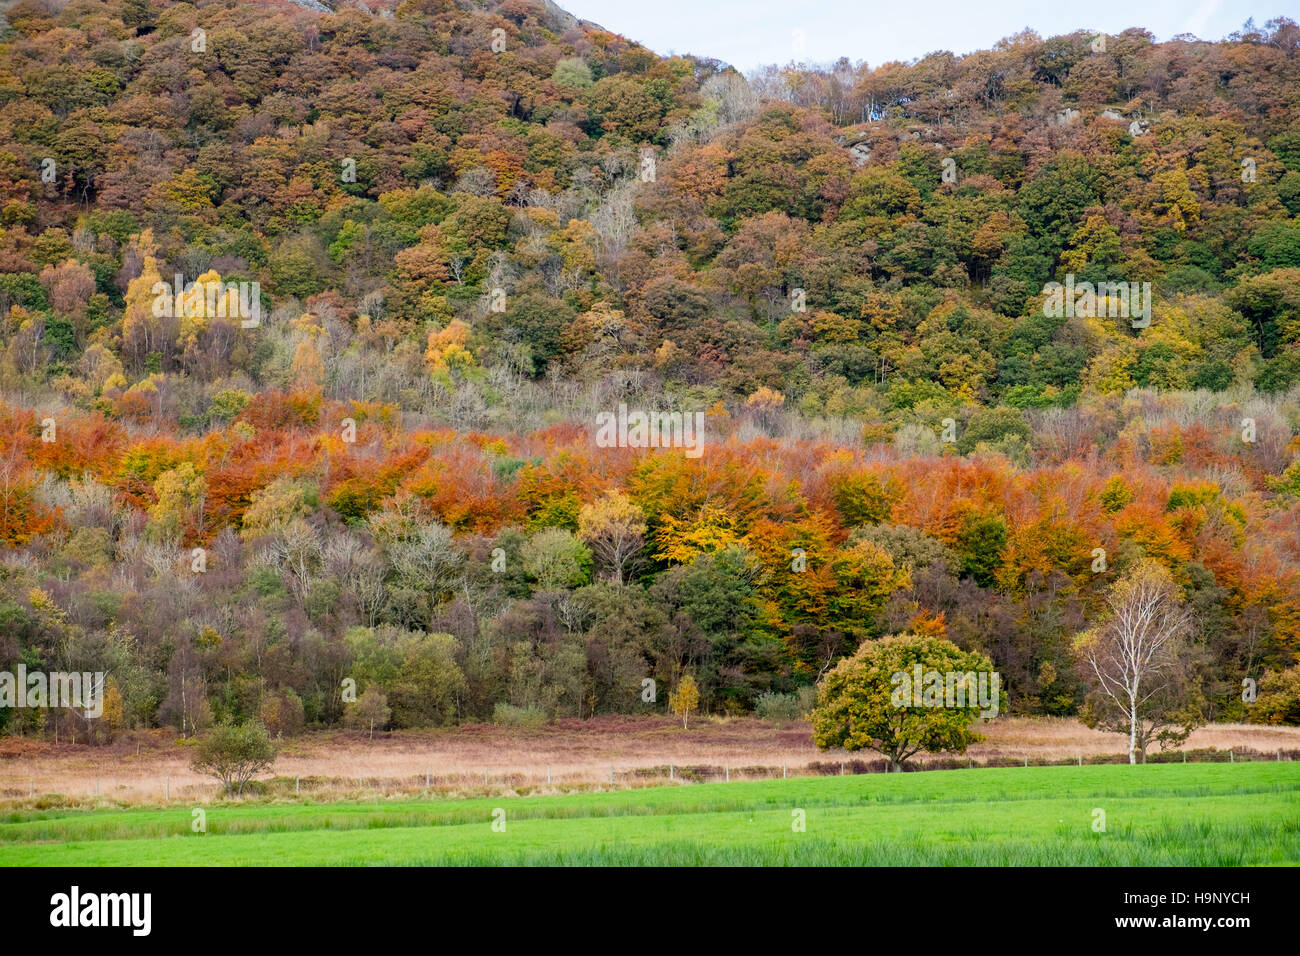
(1138, 661)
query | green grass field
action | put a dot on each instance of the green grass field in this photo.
(1173, 814)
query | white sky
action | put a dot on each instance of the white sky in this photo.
(750, 33)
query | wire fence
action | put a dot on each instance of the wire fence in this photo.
(168, 790)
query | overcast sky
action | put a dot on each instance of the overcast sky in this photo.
(750, 33)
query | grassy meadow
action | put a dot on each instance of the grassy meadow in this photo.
(1172, 814)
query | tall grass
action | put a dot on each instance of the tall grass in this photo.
(1197, 814)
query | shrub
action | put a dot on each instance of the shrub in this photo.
(807, 699)
(793, 706)
(508, 715)
(773, 706)
(234, 752)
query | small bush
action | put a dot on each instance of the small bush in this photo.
(508, 715)
(807, 699)
(773, 706)
(795, 706)
(233, 753)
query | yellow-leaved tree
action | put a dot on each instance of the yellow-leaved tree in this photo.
(614, 529)
(681, 539)
(683, 701)
(180, 493)
(448, 350)
(144, 331)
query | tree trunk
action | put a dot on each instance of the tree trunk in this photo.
(1132, 729)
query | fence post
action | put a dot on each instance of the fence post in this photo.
(548, 776)
(31, 788)
(1184, 756)
(1231, 758)
(1080, 760)
(784, 775)
(297, 785)
(670, 771)
(841, 768)
(1026, 761)
(726, 767)
(167, 788)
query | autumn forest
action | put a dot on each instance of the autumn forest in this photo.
(448, 235)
